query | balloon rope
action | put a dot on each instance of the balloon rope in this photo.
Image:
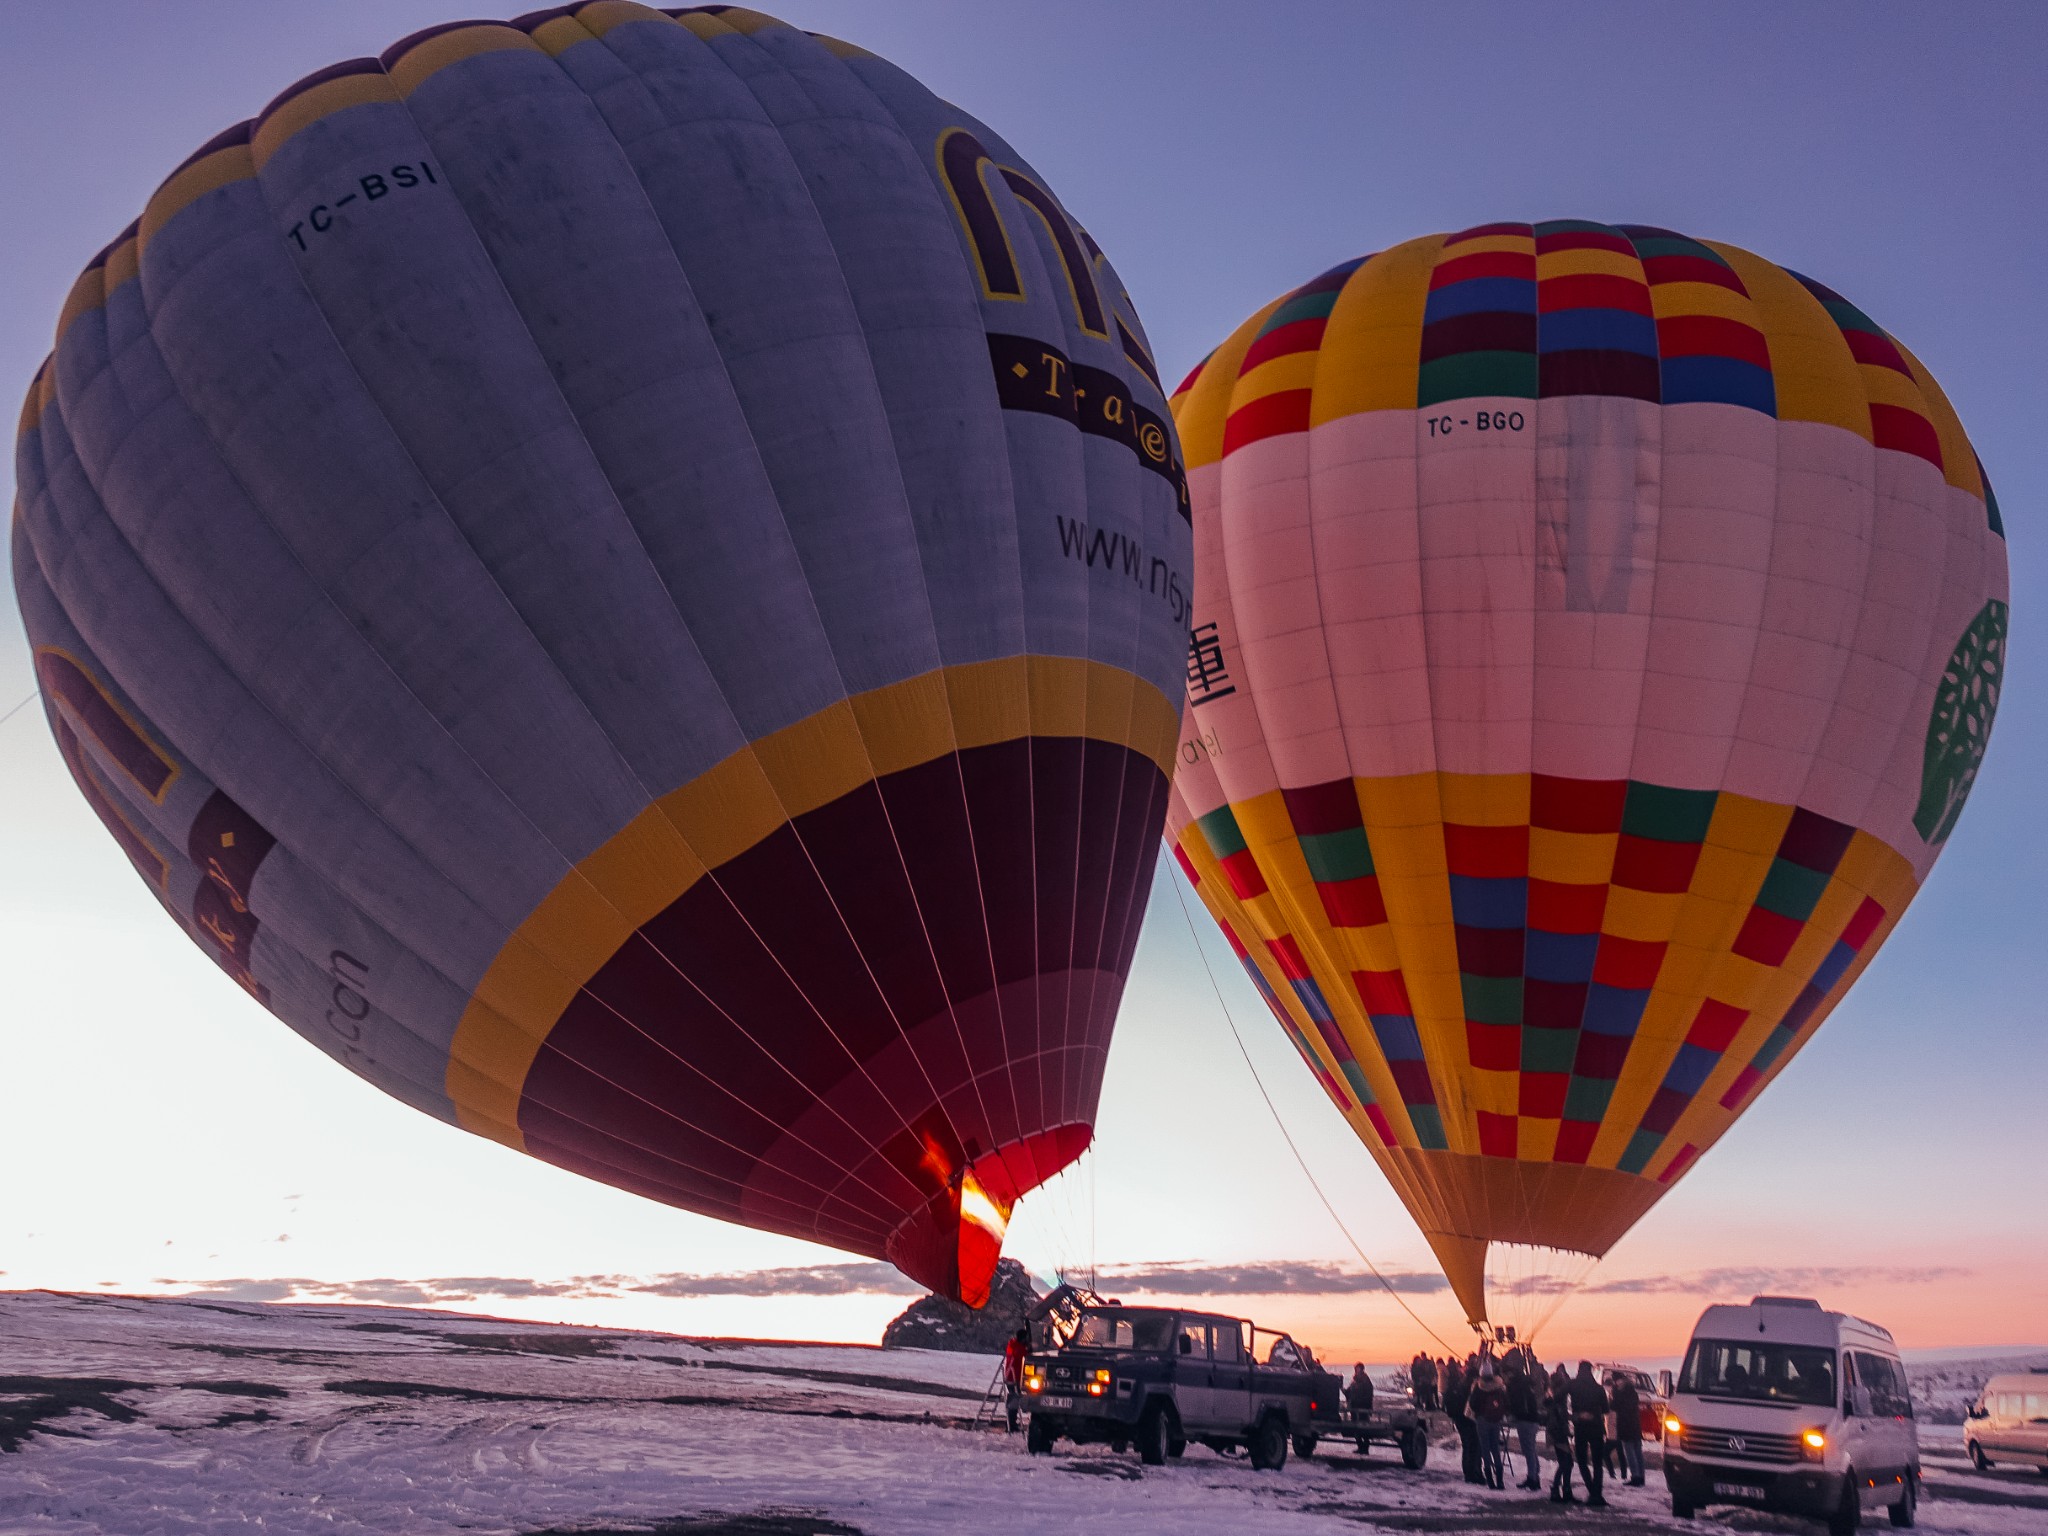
(1176, 877)
(24, 704)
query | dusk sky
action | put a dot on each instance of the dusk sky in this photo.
(162, 1132)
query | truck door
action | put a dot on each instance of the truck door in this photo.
(1192, 1393)
(1230, 1369)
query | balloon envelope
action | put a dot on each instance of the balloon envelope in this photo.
(625, 574)
(1597, 634)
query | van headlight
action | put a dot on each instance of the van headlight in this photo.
(1815, 1444)
(1673, 1425)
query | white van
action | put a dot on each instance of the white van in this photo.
(1783, 1406)
(2009, 1422)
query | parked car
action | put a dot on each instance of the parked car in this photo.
(1653, 1394)
(2009, 1422)
(1154, 1378)
(1784, 1406)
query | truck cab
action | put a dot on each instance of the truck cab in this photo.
(1156, 1378)
(1781, 1405)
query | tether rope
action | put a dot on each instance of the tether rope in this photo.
(1285, 1135)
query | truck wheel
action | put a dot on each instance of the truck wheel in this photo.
(1977, 1457)
(1847, 1519)
(1041, 1436)
(1176, 1446)
(1415, 1448)
(1305, 1446)
(1154, 1435)
(1907, 1510)
(1682, 1509)
(1268, 1444)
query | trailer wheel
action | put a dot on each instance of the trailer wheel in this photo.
(1043, 1432)
(1305, 1446)
(1268, 1444)
(1155, 1434)
(1415, 1449)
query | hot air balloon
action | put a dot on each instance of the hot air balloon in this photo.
(624, 572)
(1597, 633)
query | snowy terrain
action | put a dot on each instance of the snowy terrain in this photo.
(175, 1416)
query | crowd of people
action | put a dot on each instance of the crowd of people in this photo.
(1487, 1395)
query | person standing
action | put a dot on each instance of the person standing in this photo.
(1457, 1403)
(1523, 1413)
(1589, 1429)
(1358, 1394)
(1557, 1418)
(1015, 1353)
(1422, 1377)
(1489, 1409)
(1628, 1427)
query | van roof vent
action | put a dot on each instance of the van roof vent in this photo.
(1806, 1302)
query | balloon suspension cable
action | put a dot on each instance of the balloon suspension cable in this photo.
(1285, 1135)
(24, 704)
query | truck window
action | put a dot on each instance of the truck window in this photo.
(1194, 1340)
(1765, 1373)
(1229, 1342)
(1147, 1331)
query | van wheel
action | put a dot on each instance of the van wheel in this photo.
(1038, 1441)
(1977, 1457)
(1848, 1517)
(1682, 1509)
(1153, 1434)
(1176, 1446)
(1268, 1444)
(1305, 1446)
(1907, 1510)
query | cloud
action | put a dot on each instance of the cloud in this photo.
(869, 1279)
(856, 1279)
(1278, 1278)
(1744, 1282)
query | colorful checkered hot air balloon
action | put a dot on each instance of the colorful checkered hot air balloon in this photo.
(1597, 632)
(625, 573)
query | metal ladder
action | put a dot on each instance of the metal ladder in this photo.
(991, 1414)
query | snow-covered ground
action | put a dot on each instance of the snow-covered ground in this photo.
(131, 1415)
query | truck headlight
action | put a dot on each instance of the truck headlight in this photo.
(1097, 1383)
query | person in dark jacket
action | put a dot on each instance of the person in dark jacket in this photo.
(1524, 1413)
(1628, 1428)
(1358, 1393)
(1489, 1410)
(1557, 1422)
(1457, 1400)
(1422, 1377)
(1589, 1432)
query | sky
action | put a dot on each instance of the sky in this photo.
(160, 1131)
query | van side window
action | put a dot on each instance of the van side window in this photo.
(2037, 1408)
(1883, 1389)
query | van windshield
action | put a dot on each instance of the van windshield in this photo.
(1760, 1373)
(1147, 1331)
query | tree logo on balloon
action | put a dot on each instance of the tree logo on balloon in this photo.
(1960, 727)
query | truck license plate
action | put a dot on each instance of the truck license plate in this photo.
(1738, 1491)
(1059, 1402)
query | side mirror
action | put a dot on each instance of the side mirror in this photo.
(1187, 1345)
(1849, 1405)
(1664, 1384)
